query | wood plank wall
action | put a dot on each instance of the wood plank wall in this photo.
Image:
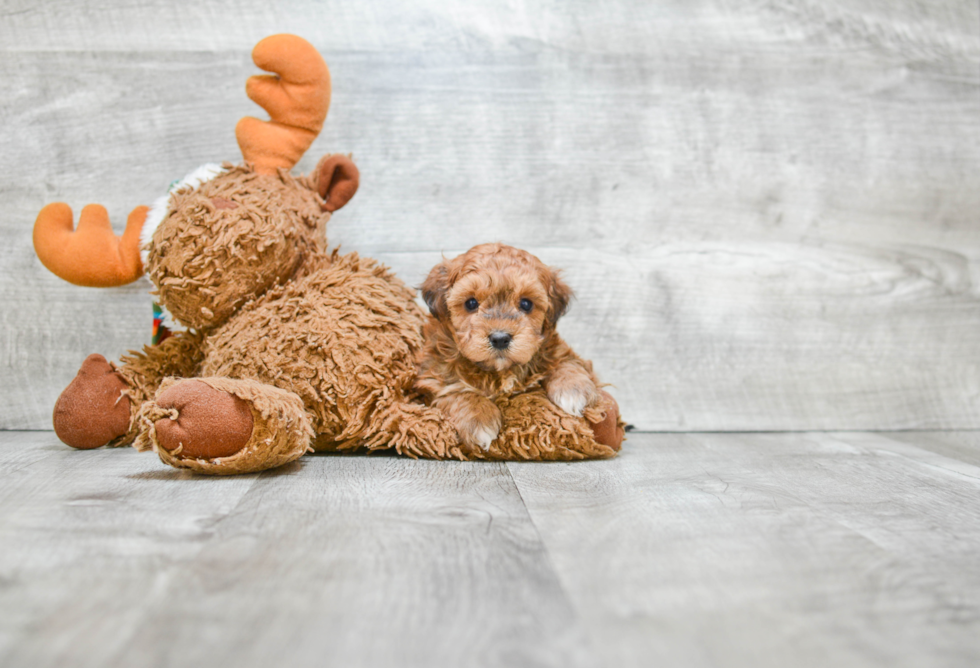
(769, 210)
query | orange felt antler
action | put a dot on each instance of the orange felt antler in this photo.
(92, 255)
(297, 101)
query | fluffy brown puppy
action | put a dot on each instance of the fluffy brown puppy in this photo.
(491, 336)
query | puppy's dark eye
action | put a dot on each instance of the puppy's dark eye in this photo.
(527, 305)
(471, 304)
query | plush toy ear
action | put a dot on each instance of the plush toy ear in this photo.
(337, 178)
(559, 294)
(434, 290)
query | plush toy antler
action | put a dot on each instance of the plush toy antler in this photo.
(92, 255)
(297, 98)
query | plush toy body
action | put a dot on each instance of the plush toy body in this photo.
(324, 361)
(289, 347)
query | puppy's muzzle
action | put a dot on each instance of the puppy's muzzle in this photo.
(500, 340)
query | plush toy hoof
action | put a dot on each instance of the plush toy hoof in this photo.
(210, 423)
(609, 431)
(92, 411)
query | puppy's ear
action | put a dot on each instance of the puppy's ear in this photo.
(434, 290)
(559, 294)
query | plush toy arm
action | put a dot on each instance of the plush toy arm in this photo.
(179, 355)
(100, 406)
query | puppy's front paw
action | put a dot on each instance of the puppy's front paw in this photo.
(483, 436)
(572, 392)
(478, 425)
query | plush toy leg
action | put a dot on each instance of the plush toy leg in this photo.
(536, 429)
(94, 409)
(413, 429)
(223, 426)
(178, 356)
(608, 427)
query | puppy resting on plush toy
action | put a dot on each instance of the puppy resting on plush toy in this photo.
(491, 337)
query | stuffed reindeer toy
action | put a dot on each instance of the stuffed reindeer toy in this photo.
(288, 347)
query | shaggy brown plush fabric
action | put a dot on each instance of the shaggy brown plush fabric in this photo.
(345, 338)
(534, 428)
(179, 355)
(207, 260)
(339, 334)
(323, 348)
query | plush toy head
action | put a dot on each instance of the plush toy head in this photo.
(224, 234)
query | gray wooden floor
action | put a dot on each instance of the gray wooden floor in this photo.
(780, 549)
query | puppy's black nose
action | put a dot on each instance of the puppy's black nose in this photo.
(500, 340)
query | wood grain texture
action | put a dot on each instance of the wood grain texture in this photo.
(843, 549)
(768, 210)
(803, 549)
(112, 559)
(960, 445)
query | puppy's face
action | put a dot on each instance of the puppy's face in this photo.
(500, 302)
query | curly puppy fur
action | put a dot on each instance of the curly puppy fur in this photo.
(491, 336)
